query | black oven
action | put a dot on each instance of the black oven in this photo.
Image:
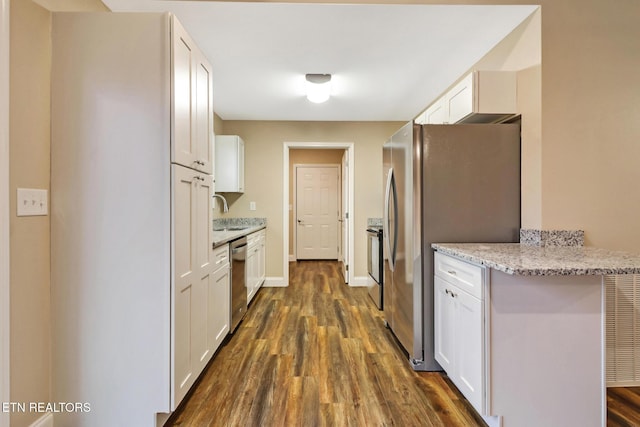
(375, 265)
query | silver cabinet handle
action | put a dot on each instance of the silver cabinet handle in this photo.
(452, 272)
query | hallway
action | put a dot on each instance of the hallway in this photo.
(318, 354)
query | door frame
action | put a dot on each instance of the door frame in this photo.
(295, 201)
(350, 148)
(4, 210)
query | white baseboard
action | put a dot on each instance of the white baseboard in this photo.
(292, 258)
(44, 421)
(278, 282)
(493, 421)
(274, 282)
(161, 419)
(359, 281)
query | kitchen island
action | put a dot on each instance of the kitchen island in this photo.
(542, 332)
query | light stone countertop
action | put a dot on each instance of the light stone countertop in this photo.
(223, 236)
(529, 260)
(227, 229)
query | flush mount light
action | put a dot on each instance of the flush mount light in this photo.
(318, 87)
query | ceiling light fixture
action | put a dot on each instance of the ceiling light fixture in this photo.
(318, 87)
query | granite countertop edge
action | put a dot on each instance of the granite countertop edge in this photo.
(525, 260)
(221, 237)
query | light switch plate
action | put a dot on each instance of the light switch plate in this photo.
(32, 202)
(252, 206)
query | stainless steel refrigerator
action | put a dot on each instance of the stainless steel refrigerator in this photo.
(442, 184)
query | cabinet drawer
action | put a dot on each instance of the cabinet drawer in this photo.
(467, 276)
(220, 256)
(255, 238)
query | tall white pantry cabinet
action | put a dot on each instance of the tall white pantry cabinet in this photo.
(131, 231)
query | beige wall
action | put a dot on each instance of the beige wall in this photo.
(30, 44)
(590, 125)
(308, 157)
(264, 148)
(29, 167)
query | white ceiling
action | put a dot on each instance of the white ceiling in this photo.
(388, 61)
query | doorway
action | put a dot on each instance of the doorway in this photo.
(316, 211)
(346, 191)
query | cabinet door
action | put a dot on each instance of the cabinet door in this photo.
(219, 307)
(185, 280)
(469, 352)
(203, 115)
(229, 158)
(262, 261)
(184, 87)
(250, 271)
(437, 114)
(459, 100)
(204, 263)
(444, 326)
(193, 268)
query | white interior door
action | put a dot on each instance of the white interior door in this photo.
(317, 212)
(344, 217)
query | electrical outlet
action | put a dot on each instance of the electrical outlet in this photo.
(32, 202)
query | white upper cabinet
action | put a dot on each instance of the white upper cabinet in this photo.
(229, 176)
(192, 112)
(480, 97)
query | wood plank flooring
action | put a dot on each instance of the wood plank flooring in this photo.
(623, 407)
(317, 354)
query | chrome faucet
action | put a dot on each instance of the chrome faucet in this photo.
(225, 206)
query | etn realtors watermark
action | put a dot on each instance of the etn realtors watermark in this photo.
(42, 407)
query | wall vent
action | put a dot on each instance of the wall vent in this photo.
(623, 330)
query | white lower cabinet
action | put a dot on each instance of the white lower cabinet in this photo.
(193, 268)
(459, 331)
(219, 299)
(262, 259)
(255, 264)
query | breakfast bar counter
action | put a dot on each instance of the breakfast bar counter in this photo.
(530, 260)
(541, 327)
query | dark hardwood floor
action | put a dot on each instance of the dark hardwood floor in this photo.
(623, 407)
(318, 354)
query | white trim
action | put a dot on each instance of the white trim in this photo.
(295, 198)
(274, 282)
(359, 281)
(4, 211)
(350, 147)
(44, 421)
(292, 258)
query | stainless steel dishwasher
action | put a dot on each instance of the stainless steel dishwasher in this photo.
(238, 286)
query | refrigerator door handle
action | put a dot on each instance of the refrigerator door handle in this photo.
(389, 199)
